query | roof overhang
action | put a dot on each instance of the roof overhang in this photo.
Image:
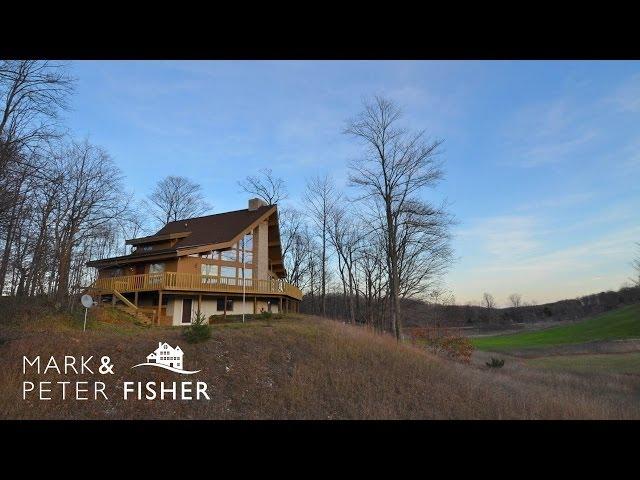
(127, 259)
(156, 238)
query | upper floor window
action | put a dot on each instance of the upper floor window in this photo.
(228, 272)
(211, 270)
(147, 248)
(248, 241)
(229, 255)
(156, 267)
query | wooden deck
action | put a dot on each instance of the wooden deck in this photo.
(195, 283)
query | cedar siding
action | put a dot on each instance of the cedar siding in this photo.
(198, 258)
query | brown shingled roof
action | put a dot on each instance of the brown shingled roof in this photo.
(218, 228)
(215, 229)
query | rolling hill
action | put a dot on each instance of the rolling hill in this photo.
(620, 324)
(301, 367)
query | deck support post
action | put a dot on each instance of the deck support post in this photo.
(225, 306)
(135, 298)
(280, 306)
(199, 304)
(159, 304)
(255, 305)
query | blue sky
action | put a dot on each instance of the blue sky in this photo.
(542, 158)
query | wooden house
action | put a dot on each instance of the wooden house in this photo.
(223, 264)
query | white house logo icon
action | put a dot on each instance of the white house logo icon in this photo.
(167, 357)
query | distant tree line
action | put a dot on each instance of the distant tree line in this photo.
(446, 314)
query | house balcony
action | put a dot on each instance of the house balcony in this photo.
(186, 282)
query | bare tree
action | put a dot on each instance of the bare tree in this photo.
(345, 236)
(636, 266)
(91, 197)
(176, 198)
(488, 301)
(293, 234)
(515, 299)
(266, 186)
(396, 166)
(32, 95)
(320, 198)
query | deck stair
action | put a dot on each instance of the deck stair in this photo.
(146, 315)
(143, 315)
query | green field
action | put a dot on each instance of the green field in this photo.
(620, 363)
(623, 323)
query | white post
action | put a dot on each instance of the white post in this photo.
(84, 328)
(244, 284)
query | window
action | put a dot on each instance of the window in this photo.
(156, 267)
(228, 271)
(209, 273)
(229, 255)
(147, 248)
(220, 305)
(248, 273)
(246, 255)
(248, 241)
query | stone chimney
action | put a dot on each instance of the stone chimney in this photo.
(255, 203)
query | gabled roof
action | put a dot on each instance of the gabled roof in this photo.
(198, 234)
(213, 229)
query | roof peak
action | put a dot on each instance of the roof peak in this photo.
(221, 213)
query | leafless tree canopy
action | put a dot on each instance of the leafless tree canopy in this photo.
(266, 186)
(515, 300)
(395, 168)
(488, 301)
(636, 266)
(175, 198)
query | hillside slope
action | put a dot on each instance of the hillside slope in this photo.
(623, 323)
(299, 368)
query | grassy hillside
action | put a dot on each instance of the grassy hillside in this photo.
(622, 363)
(297, 368)
(623, 323)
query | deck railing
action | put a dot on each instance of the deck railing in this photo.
(190, 282)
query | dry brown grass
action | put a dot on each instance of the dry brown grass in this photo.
(298, 368)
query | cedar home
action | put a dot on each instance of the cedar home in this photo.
(223, 264)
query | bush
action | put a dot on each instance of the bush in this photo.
(444, 340)
(266, 315)
(495, 363)
(198, 331)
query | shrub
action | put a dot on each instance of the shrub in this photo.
(198, 331)
(266, 315)
(445, 341)
(495, 363)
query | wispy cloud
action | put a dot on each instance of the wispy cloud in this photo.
(547, 133)
(557, 201)
(504, 237)
(627, 96)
